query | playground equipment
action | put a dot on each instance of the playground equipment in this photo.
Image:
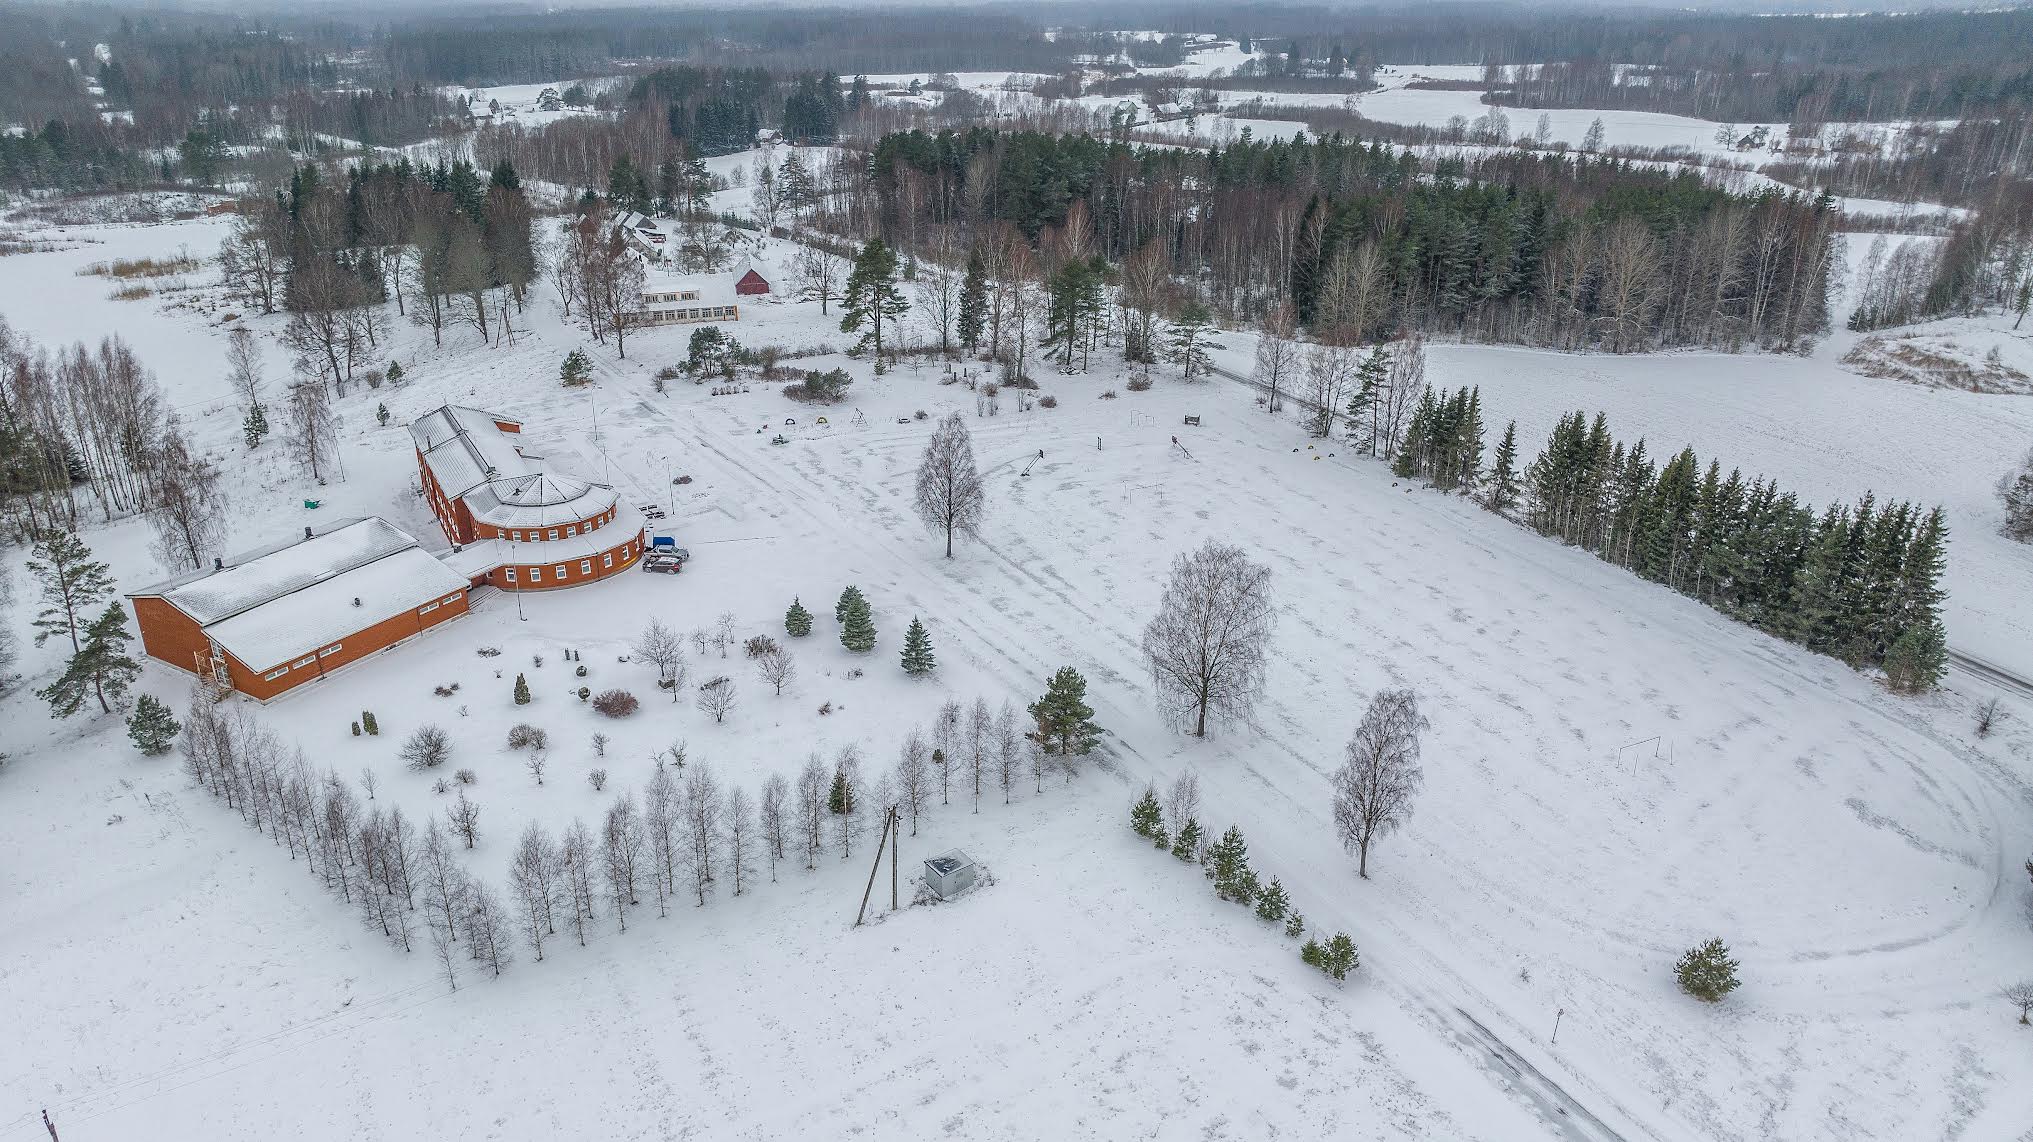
(1193, 422)
(779, 438)
(1033, 463)
(1181, 448)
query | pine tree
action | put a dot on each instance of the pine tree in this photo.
(1295, 926)
(1187, 845)
(1146, 819)
(1227, 862)
(1707, 972)
(871, 298)
(1339, 957)
(395, 373)
(917, 655)
(797, 620)
(848, 599)
(73, 584)
(1065, 721)
(1188, 340)
(1370, 377)
(840, 798)
(577, 369)
(368, 723)
(973, 300)
(255, 426)
(521, 690)
(1500, 491)
(152, 727)
(101, 667)
(1272, 901)
(857, 629)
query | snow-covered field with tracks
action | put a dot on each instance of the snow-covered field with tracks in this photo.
(169, 973)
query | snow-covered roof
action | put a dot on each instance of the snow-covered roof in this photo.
(475, 559)
(319, 615)
(254, 578)
(473, 459)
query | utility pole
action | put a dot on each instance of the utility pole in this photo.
(49, 1126)
(896, 840)
(873, 868)
(1556, 1023)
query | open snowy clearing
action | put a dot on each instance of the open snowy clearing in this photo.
(1858, 853)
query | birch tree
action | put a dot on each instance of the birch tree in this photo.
(1375, 786)
(1209, 644)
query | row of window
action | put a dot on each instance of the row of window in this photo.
(561, 572)
(336, 647)
(560, 532)
(699, 313)
(671, 295)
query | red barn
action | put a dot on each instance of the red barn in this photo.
(751, 283)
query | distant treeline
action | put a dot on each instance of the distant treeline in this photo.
(1361, 239)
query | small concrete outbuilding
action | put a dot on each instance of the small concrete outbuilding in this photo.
(950, 874)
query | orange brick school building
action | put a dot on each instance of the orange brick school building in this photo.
(268, 621)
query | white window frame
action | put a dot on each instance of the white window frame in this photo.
(307, 660)
(560, 569)
(585, 566)
(274, 674)
(427, 608)
(511, 574)
(331, 650)
(607, 560)
(536, 574)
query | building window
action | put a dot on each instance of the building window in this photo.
(330, 650)
(536, 574)
(451, 598)
(554, 533)
(585, 566)
(560, 569)
(427, 608)
(607, 560)
(306, 660)
(511, 574)
(274, 674)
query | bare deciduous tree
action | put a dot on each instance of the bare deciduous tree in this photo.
(1010, 744)
(576, 857)
(1182, 800)
(774, 811)
(718, 697)
(427, 748)
(811, 808)
(313, 431)
(701, 806)
(2020, 995)
(1278, 356)
(189, 516)
(659, 646)
(534, 876)
(740, 830)
(950, 493)
(487, 929)
(1374, 788)
(1208, 645)
(777, 667)
(464, 817)
(913, 775)
(243, 366)
(1406, 387)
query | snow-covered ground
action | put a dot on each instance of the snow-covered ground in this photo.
(1860, 853)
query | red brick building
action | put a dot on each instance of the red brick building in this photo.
(268, 621)
(516, 523)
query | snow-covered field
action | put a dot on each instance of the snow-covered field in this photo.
(183, 977)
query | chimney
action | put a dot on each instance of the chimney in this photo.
(307, 531)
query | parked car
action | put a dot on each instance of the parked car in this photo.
(666, 560)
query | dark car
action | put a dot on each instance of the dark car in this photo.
(666, 561)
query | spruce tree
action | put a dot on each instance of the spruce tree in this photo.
(255, 426)
(101, 667)
(521, 690)
(152, 727)
(1272, 902)
(1065, 721)
(368, 723)
(857, 629)
(797, 620)
(1370, 377)
(1187, 845)
(1707, 972)
(1146, 819)
(1188, 339)
(848, 599)
(917, 655)
(840, 798)
(1501, 490)
(1918, 659)
(395, 372)
(973, 300)
(1295, 926)
(1338, 957)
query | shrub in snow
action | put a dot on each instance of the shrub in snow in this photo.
(521, 690)
(151, 726)
(797, 620)
(616, 703)
(441, 786)
(368, 723)
(585, 692)
(599, 745)
(427, 748)
(356, 729)
(1139, 384)
(465, 777)
(598, 779)
(1048, 402)
(1707, 972)
(489, 652)
(445, 691)
(1295, 926)
(825, 708)
(576, 370)
(581, 671)
(921, 414)
(1107, 394)
(755, 646)
(522, 735)
(2015, 490)
(1337, 957)
(2020, 995)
